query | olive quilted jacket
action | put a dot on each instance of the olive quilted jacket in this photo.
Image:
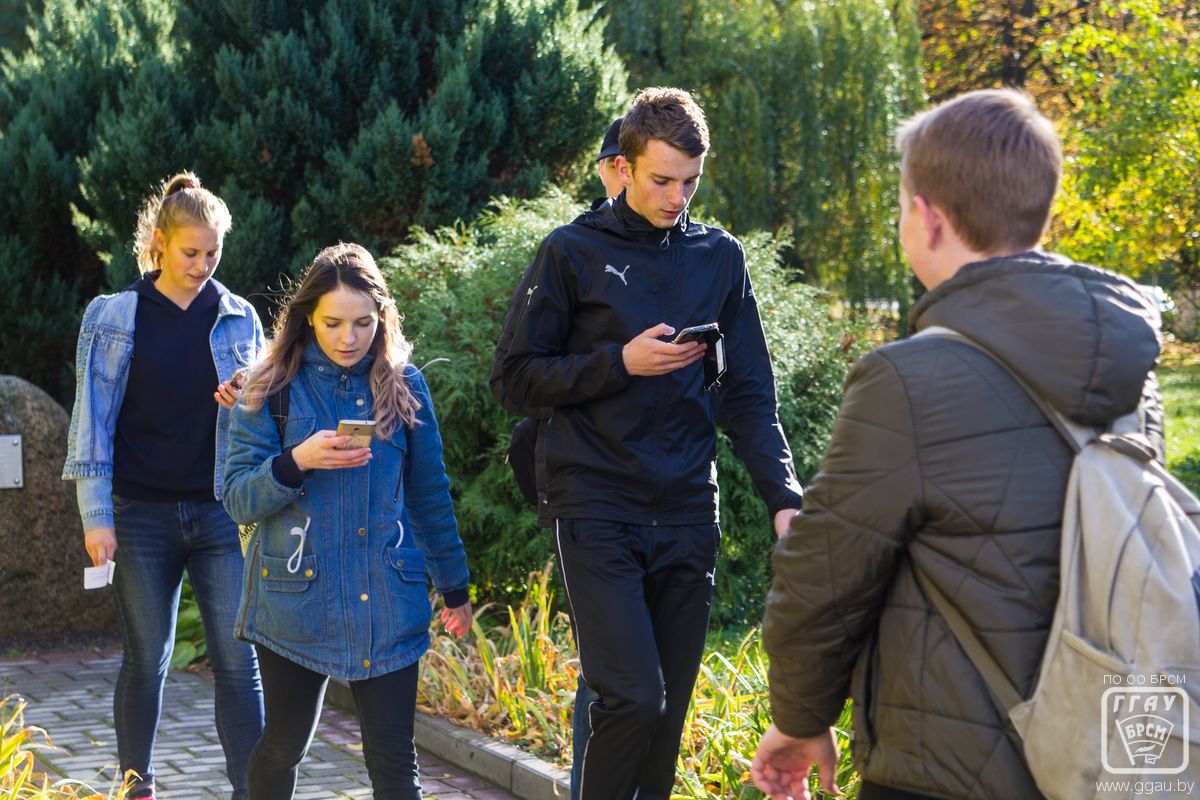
(940, 462)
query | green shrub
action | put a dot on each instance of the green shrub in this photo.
(315, 120)
(454, 286)
(190, 644)
(802, 100)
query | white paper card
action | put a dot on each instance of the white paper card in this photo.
(99, 577)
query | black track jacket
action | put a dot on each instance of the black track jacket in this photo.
(636, 449)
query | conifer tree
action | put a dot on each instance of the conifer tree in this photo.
(315, 120)
(50, 93)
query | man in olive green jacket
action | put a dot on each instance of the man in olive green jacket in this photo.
(941, 463)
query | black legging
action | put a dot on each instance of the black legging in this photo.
(293, 696)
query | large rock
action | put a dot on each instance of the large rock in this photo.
(41, 540)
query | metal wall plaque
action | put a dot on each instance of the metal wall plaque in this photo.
(11, 476)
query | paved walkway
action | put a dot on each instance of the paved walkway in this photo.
(70, 696)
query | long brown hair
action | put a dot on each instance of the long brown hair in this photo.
(348, 265)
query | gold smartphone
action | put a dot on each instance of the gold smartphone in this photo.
(361, 429)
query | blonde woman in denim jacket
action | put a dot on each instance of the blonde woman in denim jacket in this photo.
(335, 580)
(155, 368)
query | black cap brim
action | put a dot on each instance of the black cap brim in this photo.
(611, 146)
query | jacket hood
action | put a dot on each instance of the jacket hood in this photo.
(1082, 337)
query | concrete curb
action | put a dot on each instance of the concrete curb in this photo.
(510, 768)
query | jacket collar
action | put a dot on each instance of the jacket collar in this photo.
(315, 358)
(226, 304)
(639, 228)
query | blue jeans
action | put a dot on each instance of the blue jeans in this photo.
(581, 729)
(155, 542)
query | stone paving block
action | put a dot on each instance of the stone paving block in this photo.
(71, 696)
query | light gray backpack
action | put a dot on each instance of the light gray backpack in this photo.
(1114, 709)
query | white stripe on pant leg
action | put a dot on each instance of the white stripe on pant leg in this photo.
(591, 728)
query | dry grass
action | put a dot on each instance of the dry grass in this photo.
(18, 779)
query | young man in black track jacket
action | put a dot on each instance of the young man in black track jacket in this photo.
(630, 446)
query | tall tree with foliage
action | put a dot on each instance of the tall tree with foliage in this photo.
(50, 94)
(802, 99)
(970, 45)
(1131, 192)
(315, 120)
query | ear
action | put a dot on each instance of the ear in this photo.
(932, 221)
(159, 240)
(625, 169)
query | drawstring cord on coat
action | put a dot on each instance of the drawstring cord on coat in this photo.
(293, 563)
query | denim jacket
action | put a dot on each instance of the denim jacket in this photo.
(335, 576)
(102, 357)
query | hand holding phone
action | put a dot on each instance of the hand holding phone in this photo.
(360, 429)
(319, 451)
(648, 354)
(714, 354)
(705, 332)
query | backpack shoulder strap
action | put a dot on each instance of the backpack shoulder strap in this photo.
(1076, 435)
(278, 404)
(1002, 688)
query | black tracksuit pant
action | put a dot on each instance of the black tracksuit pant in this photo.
(640, 598)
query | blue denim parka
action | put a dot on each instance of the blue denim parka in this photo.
(335, 575)
(102, 356)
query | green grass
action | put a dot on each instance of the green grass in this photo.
(1179, 379)
(1180, 382)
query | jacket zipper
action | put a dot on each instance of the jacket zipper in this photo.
(665, 287)
(241, 623)
(399, 480)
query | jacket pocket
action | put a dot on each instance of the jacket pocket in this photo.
(409, 612)
(110, 354)
(399, 442)
(242, 353)
(291, 607)
(864, 688)
(297, 430)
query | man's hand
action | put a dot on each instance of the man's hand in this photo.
(645, 354)
(101, 544)
(317, 452)
(783, 518)
(780, 767)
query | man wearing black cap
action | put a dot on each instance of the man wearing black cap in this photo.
(523, 445)
(606, 162)
(627, 470)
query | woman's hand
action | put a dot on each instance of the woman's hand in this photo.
(318, 452)
(457, 621)
(227, 393)
(101, 544)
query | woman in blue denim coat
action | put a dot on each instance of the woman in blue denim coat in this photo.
(154, 381)
(335, 578)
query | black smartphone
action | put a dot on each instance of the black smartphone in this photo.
(696, 332)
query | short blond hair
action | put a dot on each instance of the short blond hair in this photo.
(990, 161)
